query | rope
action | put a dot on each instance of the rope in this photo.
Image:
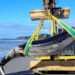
(26, 49)
(61, 27)
(36, 38)
(70, 30)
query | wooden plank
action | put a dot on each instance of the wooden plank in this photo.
(53, 65)
(58, 12)
(37, 14)
(61, 12)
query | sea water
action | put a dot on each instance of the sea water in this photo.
(7, 45)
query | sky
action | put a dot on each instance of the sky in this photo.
(15, 18)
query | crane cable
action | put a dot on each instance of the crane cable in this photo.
(26, 49)
(70, 30)
(61, 27)
(36, 38)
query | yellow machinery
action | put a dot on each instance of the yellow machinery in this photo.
(51, 63)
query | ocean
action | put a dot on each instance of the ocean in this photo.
(22, 67)
(7, 45)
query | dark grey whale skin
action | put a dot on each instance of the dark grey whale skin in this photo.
(50, 46)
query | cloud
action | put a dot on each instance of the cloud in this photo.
(12, 30)
(8, 24)
(70, 22)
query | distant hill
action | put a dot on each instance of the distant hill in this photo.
(41, 36)
(23, 37)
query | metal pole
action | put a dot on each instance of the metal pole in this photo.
(52, 27)
(55, 26)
